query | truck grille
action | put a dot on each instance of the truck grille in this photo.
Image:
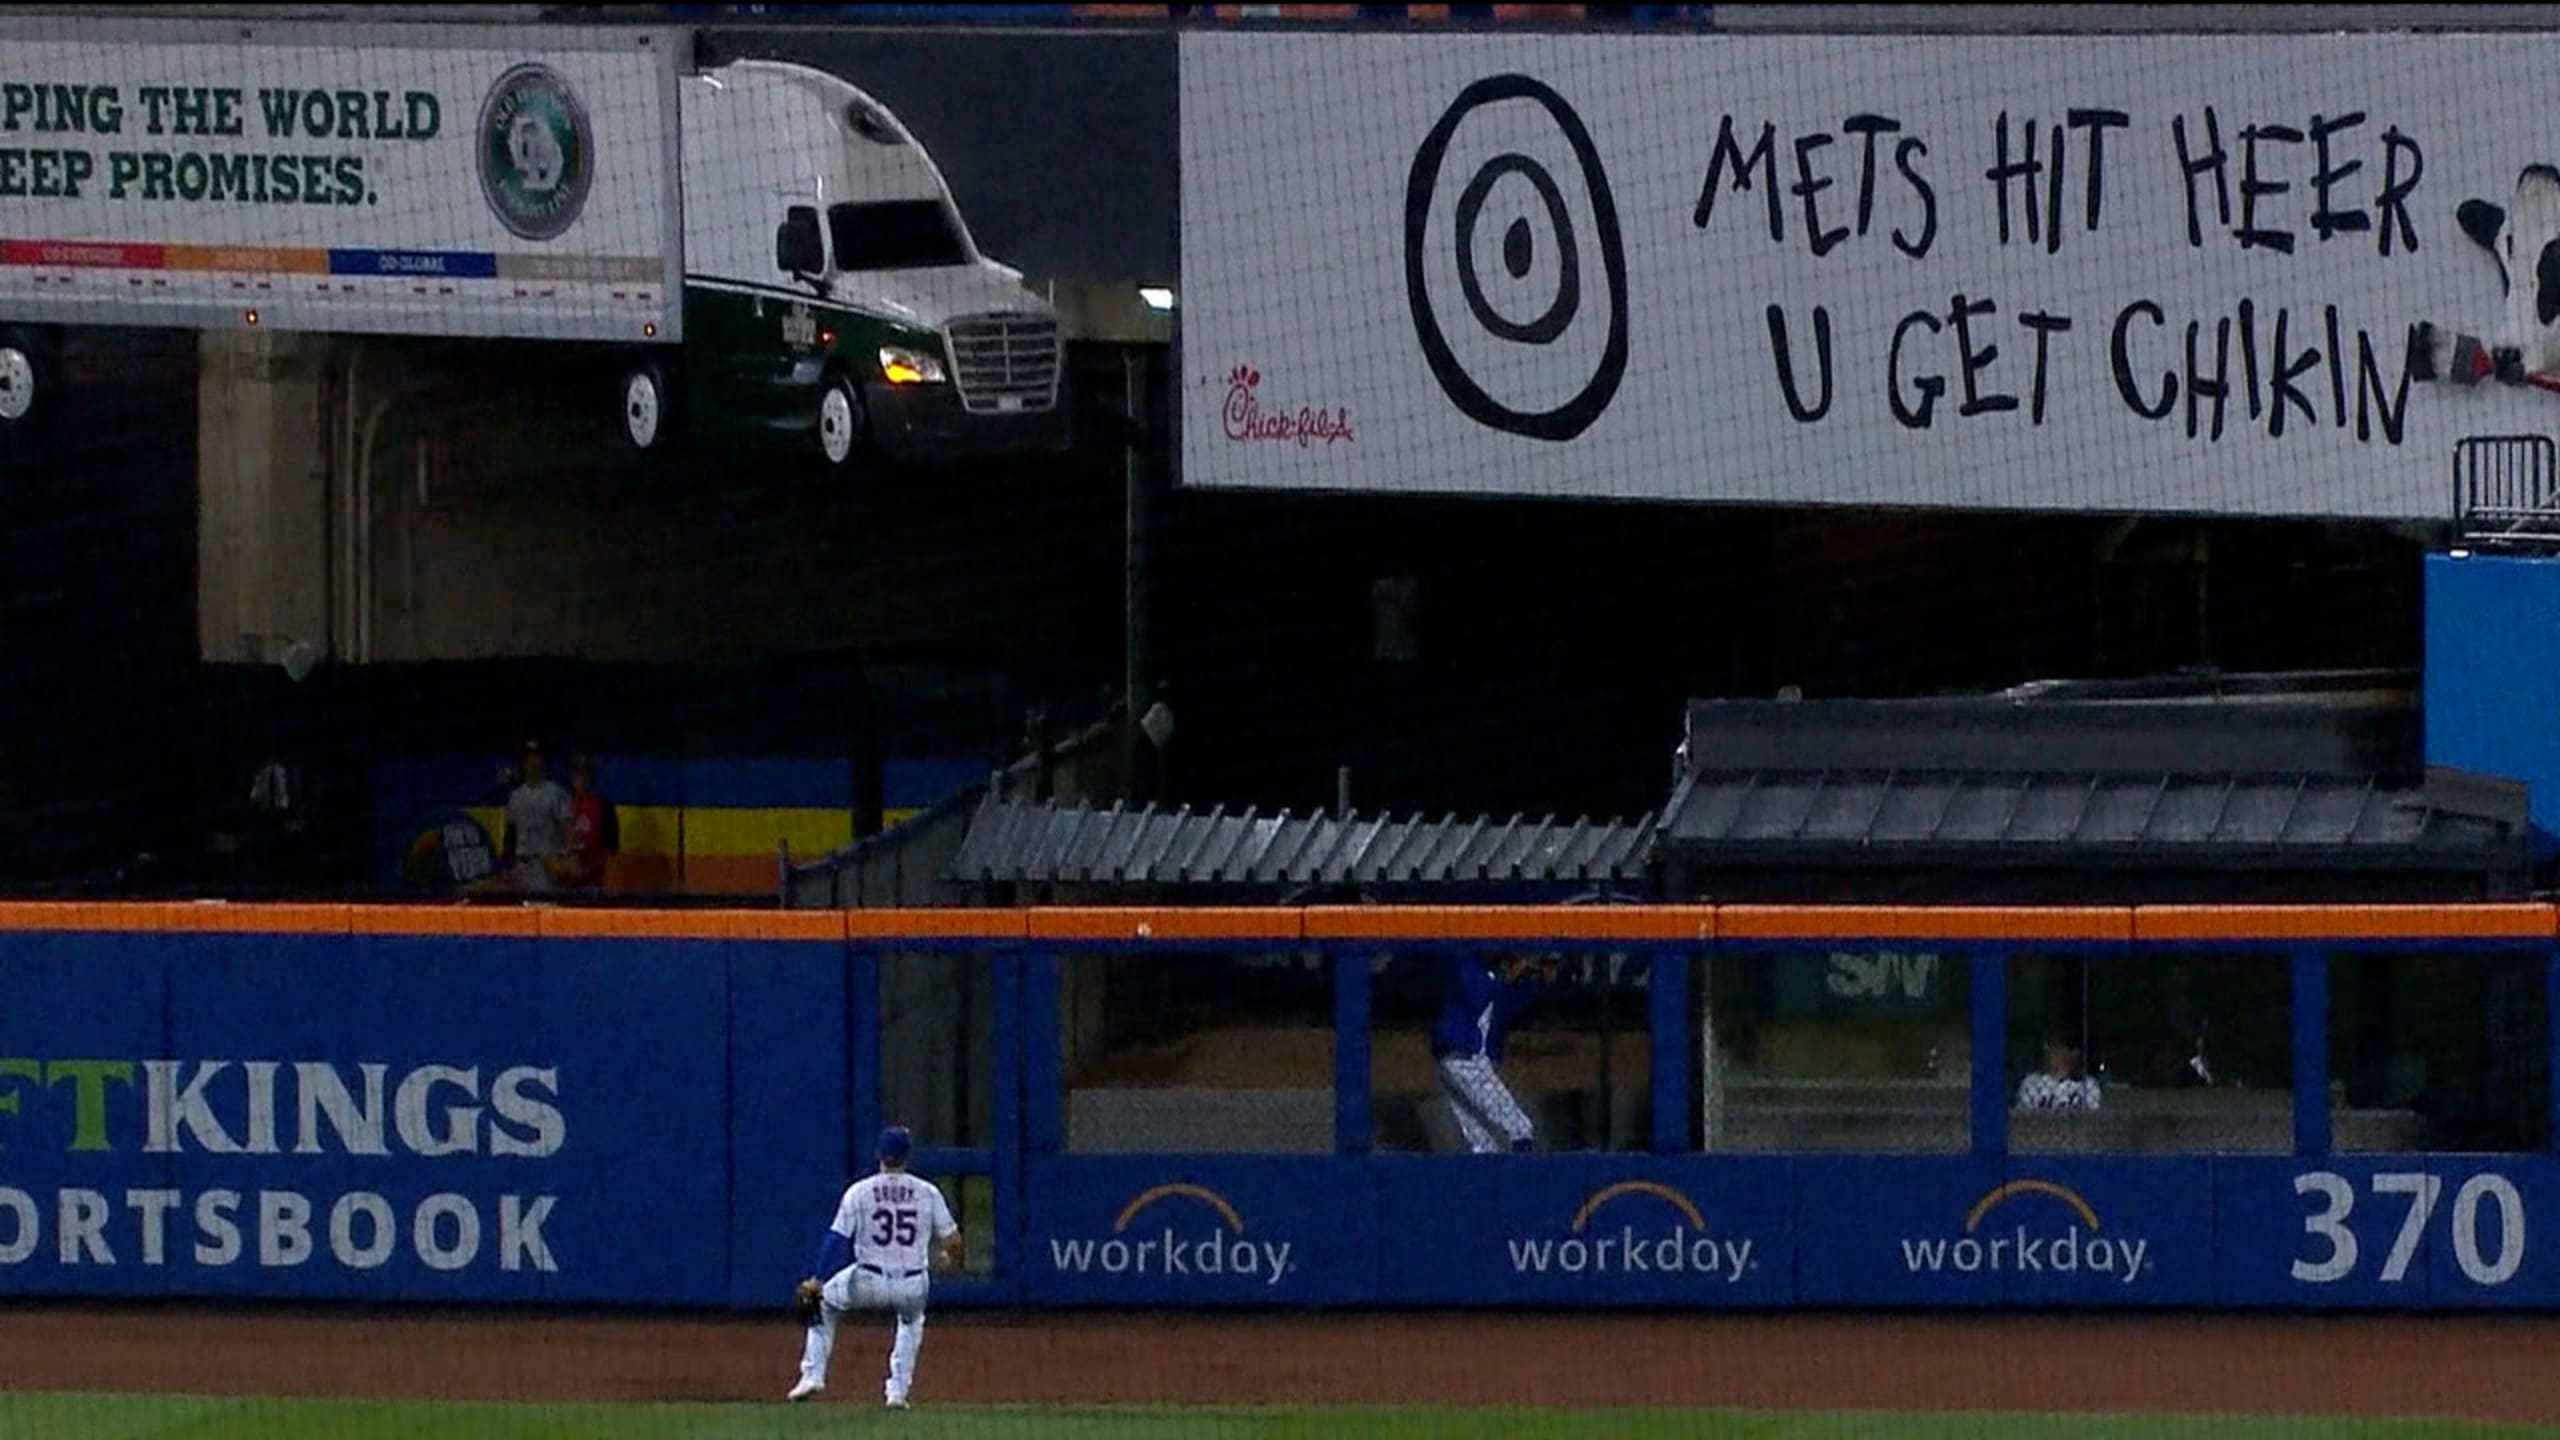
(1005, 363)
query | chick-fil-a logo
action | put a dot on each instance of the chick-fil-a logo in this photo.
(1245, 418)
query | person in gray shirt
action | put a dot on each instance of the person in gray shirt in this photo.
(537, 829)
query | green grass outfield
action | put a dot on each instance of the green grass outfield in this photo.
(38, 1416)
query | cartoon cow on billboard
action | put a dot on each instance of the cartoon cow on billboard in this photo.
(2523, 236)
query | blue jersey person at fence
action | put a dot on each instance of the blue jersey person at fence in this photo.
(1480, 1003)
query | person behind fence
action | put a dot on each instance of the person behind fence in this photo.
(1478, 1007)
(2061, 1084)
(534, 850)
(595, 824)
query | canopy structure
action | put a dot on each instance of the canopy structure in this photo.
(1994, 798)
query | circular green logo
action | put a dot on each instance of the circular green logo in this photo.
(537, 152)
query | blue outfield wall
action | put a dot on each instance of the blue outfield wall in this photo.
(581, 1111)
(1768, 1232)
(491, 1119)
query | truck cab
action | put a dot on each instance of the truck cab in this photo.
(834, 298)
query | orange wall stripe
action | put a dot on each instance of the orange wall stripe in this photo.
(991, 926)
(1578, 924)
(1139, 925)
(583, 923)
(1512, 922)
(802, 926)
(2346, 922)
(57, 915)
(223, 919)
(1918, 922)
(437, 921)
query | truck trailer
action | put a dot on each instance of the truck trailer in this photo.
(750, 253)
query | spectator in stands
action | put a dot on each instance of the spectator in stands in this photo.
(535, 849)
(2061, 1084)
(595, 825)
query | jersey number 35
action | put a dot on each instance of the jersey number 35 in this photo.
(893, 1227)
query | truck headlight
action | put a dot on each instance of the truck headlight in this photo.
(901, 366)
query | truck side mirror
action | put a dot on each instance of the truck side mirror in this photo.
(798, 246)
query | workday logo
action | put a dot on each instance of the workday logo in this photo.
(1671, 1240)
(2054, 1232)
(1212, 1243)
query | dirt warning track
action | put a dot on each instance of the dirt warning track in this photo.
(2487, 1368)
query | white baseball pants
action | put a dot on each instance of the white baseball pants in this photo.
(1488, 1116)
(863, 1287)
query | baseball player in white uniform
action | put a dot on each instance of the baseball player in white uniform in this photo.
(877, 1255)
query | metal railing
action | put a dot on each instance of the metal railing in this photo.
(2506, 490)
(910, 864)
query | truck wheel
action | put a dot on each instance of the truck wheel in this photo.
(643, 412)
(20, 377)
(839, 422)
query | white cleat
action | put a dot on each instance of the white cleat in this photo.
(897, 1402)
(805, 1389)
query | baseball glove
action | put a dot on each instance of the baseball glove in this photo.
(806, 1301)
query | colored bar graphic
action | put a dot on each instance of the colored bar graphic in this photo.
(588, 269)
(247, 260)
(419, 264)
(82, 255)
(350, 262)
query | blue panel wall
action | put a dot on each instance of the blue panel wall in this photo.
(639, 1028)
(668, 1123)
(1201, 1230)
(1943, 1231)
(424, 1119)
(791, 1147)
(2392, 1232)
(1600, 1230)
(1890, 1230)
(1858, 1232)
(77, 1015)
(2492, 681)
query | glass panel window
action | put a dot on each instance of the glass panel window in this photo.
(2439, 1052)
(1186, 1052)
(937, 1046)
(1850, 1048)
(2151, 1053)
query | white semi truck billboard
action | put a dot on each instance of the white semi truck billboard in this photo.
(754, 254)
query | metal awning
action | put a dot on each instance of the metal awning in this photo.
(1836, 817)
(1018, 842)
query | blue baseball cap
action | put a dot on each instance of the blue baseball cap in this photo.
(896, 1143)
